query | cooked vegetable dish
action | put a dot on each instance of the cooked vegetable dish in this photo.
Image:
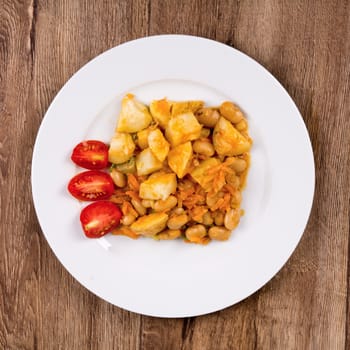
(179, 168)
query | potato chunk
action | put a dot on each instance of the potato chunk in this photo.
(228, 141)
(142, 138)
(147, 162)
(151, 224)
(182, 128)
(134, 116)
(158, 186)
(179, 158)
(160, 110)
(163, 110)
(185, 106)
(158, 144)
(200, 173)
(121, 148)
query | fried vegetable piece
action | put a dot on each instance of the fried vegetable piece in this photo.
(200, 173)
(147, 162)
(158, 144)
(158, 186)
(185, 106)
(142, 138)
(160, 110)
(182, 128)
(179, 158)
(150, 225)
(228, 141)
(134, 115)
(121, 148)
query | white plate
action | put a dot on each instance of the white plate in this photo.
(174, 279)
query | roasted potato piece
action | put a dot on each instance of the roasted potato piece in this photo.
(158, 186)
(158, 144)
(160, 110)
(121, 148)
(200, 173)
(179, 158)
(163, 110)
(147, 162)
(183, 128)
(150, 225)
(185, 107)
(228, 141)
(134, 116)
(142, 138)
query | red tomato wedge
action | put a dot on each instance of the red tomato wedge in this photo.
(99, 218)
(91, 155)
(91, 185)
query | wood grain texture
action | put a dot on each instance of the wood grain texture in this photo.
(305, 44)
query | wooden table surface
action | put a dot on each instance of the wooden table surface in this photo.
(305, 44)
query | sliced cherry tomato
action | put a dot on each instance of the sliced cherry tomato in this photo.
(91, 185)
(91, 155)
(99, 218)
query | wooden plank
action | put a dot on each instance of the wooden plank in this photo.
(42, 45)
(301, 44)
(305, 44)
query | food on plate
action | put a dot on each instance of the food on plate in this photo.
(158, 186)
(91, 155)
(91, 185)
(189, 168)
(147, 162)
(134, 116)
(99, 218)
(158, 144)
(121, 149)
(179, 159)
(177, 170)
(227, 140)
(151, 224)
(182, 128)
(163, 110)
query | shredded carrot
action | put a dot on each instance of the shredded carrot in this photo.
(119, 197)
(127, 208)
(193, 200)
(133, 182)
(223, 203)
(216, 176)
(219, 181)
(226, 205)
(197, 212)
(133, 195)
(116, 200)
(125, 231)
(190, 197)
(229, 188)
(218, 204)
